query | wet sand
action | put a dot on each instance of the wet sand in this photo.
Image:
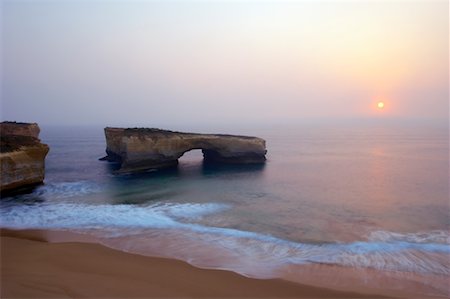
(33, 267)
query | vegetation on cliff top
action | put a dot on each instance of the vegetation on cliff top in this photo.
(16, 122)
(170, 133)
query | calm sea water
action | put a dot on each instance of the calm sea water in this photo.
(362, 197)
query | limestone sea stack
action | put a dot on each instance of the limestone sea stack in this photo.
(138, 149)
(22, 156)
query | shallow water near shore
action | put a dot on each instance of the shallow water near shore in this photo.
(370, 201)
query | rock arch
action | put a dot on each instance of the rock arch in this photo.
(139, 149)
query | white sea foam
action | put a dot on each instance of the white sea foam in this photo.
(435, 236)
(59, 190)
(191, 210)
(393, 256)
(68, 215)
(383, 250)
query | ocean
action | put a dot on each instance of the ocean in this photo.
(341, 206)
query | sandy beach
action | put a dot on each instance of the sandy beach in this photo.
(32, 267)
(224, 149)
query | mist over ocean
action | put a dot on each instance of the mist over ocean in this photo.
(351, 97)
(369, 197)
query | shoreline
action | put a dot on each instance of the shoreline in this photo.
(76, 266)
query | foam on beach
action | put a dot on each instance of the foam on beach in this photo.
(424, 252)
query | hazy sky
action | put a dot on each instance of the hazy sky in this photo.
(159, 62)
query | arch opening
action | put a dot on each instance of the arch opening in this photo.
(191, 156)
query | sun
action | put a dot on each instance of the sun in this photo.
(380, 105)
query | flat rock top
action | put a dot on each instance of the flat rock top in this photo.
(15, 135)
(19, 128)
(167, 133)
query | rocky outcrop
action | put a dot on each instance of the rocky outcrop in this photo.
(22, 156)
(9, 128)
(141, 149)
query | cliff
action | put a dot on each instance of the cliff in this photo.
(140, 149)
(8, 128)
(22, 156)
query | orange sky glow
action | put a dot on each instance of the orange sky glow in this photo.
(252, 61)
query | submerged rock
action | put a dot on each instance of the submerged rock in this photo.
(142, 149)
(22, 156)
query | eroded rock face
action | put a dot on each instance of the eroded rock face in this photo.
(22, 156)
(142, 149)
(19, 129)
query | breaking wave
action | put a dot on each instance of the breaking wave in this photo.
(435, 236)
(424, 252)
(68, 189)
